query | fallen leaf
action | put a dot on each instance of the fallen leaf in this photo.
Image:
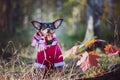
(87, 60)
(91, 42)
(93, 58)
(111, 50)
(73, 51)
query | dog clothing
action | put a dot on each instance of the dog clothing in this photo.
(50, 54)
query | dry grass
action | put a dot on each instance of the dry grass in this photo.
(20, 67)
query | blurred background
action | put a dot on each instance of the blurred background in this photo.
(83, 20)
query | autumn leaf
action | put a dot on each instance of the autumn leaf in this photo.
(73, 51)
(111, 50)
(91, 42)
(84, 62)
(87, 60)
(93, 58)
(83, 58)
(118, 49)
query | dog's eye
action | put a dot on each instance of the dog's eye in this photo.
(51, 26)
(44, 26)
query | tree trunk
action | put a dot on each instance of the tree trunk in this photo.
(95, 9)
(116, 22)
(89, 32)
(9, 13)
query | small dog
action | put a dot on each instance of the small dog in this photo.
(48, 49)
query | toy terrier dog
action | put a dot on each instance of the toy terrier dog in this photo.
(46, 42)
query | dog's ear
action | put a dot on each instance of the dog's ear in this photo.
(36, 24)
(57, 23)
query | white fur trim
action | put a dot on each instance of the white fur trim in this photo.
(59, 64)
(39, 65)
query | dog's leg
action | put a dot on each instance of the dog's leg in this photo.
(59, 71)
(40, 73)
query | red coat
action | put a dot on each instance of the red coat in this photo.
(51, 55)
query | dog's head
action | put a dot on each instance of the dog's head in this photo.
(47, 28)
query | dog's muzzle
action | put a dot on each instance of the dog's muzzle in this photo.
(48, 31)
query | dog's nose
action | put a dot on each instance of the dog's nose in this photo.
(48, 30)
